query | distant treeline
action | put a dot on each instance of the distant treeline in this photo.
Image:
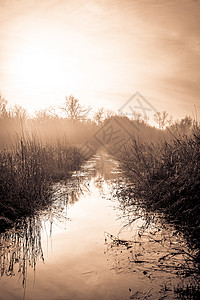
(75, 124)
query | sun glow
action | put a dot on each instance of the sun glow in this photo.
(45, 63)
(36, 67)
(42, 67)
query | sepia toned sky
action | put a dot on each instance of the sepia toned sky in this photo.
(102, 52)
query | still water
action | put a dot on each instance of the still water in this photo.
(89, 245)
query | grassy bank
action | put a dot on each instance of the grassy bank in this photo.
(26, 175)
(166, 178)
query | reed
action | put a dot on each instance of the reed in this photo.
(166, 178)
(27, 173)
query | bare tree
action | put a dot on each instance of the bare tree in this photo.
(18, 112)
(163, 119)
(186, 123)
(42, 114)
(136, 116)
(99, 116)
(46, 113)
(74, 110)
(3, 107)
(184, 126)
(109, 113)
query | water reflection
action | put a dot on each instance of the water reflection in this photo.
(148, 245)
(141, 249)
(21, 246)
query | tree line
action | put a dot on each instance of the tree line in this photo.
(74, 111)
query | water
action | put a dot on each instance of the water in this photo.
(86, 245)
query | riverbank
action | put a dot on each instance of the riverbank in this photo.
(166, 179)
(27, 173)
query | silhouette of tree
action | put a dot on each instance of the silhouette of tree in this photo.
(45, 114)
(3, 107)
(186, 123)
(74, 110)
(42, 114)
(99, 116)
(163, 119)
(18, 112)
(184, 126)
(109, 113)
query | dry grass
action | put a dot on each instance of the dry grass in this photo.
(26, 175)
(166, 178)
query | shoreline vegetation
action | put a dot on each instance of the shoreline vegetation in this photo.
(166, 178)
(27, 173)
(35, 152)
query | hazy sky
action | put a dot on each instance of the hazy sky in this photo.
(101, 52)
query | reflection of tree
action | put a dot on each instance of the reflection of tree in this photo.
(75, 188)
(106, 167)
(99, 182)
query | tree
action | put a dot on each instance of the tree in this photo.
(74, 110)
(163, 119)
(45, 114)
(186, 123)
(3, 107)
(109, 113)
(136, 116)
(42, 115)
(99, 116)
(184, 126)
(18, 112)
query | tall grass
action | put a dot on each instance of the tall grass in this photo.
(50, 130)
(166, 177)
(26, 175)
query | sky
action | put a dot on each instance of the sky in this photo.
(102, 52)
